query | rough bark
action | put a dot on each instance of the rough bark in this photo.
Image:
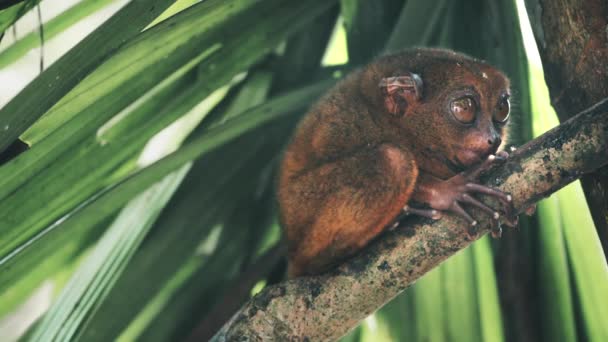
(572, 36)
(326, 307)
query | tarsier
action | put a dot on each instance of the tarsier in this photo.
(409, 133)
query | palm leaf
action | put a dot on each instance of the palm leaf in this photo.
(63, 75)
(11, 11)
(55, 26)
(170, 253)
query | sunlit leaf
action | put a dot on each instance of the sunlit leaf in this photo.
(52, 28)
(11, 11)
(63, 75)
(220, 68)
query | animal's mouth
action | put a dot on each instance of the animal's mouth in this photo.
(469, 157)
(462, 159)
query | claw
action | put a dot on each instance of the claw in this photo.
(496, 232)
(530, 210)
(471, 233)
(513, 222)
(503, 154)
(395, 225)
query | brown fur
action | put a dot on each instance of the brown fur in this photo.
(351, 165)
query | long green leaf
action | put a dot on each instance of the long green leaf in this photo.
(52, 28)
(97, 274)
(165, 112)
(304, 51)
(558, 320)
(225, 63)
(429, 304)
(489, 307)
(55, 199)
(399, 315)
(240, 232)
(177, 315)
(197, 211)
(461, 297)
(375, 328)
(8, 16)
(18, 290)
(368, 25)
(63, 75)
(110, 89)
(588, 261)
(418, 21)
(95, 278)
(556, 300)
(113, 198)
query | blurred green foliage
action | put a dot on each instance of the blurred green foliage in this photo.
(150, 178)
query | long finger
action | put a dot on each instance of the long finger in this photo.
(477, 170)
(486, 190)
(466, 198)
(429, 213)
(457, 209)
(492, 159)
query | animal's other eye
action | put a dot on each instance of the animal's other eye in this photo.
(501, 114)
(464, 109)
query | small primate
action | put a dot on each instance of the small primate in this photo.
(407, 134)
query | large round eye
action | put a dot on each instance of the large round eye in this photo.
(501, 114)
(464, 109)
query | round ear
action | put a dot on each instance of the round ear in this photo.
(400, 92)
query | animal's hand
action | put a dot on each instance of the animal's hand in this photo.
(452, 194)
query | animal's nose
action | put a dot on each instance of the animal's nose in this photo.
(494, 141)
(493, 138)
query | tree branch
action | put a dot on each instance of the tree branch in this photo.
(326, 307)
